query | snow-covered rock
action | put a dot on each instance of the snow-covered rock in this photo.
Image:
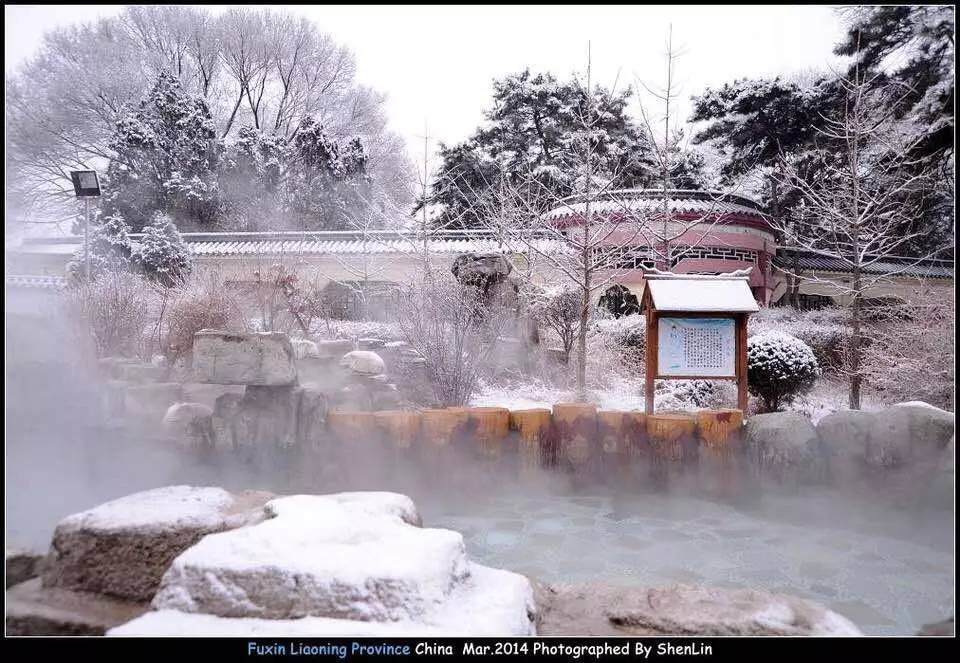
(687, 610)
(907, 433)
(21, 565)
(260, 359)
(190, 423)
(122, 548)
(784, 443)
(363, 362)
(844, 435)
(344, 564)
(303, 348)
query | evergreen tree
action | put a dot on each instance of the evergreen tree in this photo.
(251, 180)
(534, 127)
(162, 255)
(326, 184)
(110, 250)
(166, 153)
(759, 125)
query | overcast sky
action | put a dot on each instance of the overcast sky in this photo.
(436, 64)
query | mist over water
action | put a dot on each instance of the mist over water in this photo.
(885, 565)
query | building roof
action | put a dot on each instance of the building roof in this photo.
(679, 201)
(32, 281)
(321, 243)
(678, 293)
(807, 260)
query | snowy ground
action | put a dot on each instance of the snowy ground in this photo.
(828, 396)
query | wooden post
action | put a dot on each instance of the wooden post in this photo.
(576, 425)
(741, 362)
(650, 343)
(490, 425)
(534, 428)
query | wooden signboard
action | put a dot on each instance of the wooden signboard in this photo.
(697, 329)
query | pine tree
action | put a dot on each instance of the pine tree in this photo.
(326, 185)
(110, 250)
(162, 254)
(166, 153)
(533, 128)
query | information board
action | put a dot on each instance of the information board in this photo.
(697, 347)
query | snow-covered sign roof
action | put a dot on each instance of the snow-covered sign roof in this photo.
(630, 201)
(700, 294)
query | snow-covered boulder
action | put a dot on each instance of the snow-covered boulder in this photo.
(344, 564)
(122, 548)
(303, 348)
(608, 610)
(687, 610)
(783, 442)
(909, 432)
(363, 362)
(480, 268)
(844, 436)
(260, 359)
(190, 424)
(21, 565)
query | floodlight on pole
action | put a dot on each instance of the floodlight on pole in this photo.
(86, 185)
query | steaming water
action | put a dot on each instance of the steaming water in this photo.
(888, 577)
(889, 570)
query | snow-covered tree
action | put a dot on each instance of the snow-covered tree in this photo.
(251, 180)
(532, 129)
(162, 254)
(266, 69)
(863, 211)
(166, 153)
(779, 368)
(110, 250)
(327, 182)
(557, 309)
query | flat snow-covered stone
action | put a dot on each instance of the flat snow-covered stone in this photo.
(318, 556)
(687, 610)
(363, 362)
(260, 359)
(32, 609)
(190, 424)
(344, 564)
(123, 548)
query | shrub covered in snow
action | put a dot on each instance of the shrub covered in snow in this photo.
(824, 330)
(162, 255)
(558, 310)
(692, 394)
(110, 250)
(625, 335)
(113, 311)
(911, 355)
(201, 302)
(780, 367)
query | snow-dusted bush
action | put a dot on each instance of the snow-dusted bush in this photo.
(201, 302)
(824, 330)
(558, 309)
(162, 254)
(692, 394)
(110, 250)
(626, 336)
(911, 354)
(449, 326)
(113, 311)
(779, 367)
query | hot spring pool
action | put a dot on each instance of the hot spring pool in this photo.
(889, 572)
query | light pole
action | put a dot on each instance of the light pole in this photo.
(86, 185)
